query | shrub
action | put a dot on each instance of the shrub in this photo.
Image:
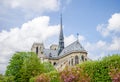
(32, 79)
(1, 77)
(52, 76)
(99, 70)
(48, 67)
(112, 61)
(42, 78)
(9, 79)
(6, 78)
(115, 74)
(74, 74)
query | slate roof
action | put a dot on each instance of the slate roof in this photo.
(74, 47)
(50, 53)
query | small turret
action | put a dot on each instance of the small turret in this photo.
(54, 47)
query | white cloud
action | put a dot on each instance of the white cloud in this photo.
(101, 44)
(111, 28)
(21, 39)
(103, 30)
(68, 40)
(32, 5)
(81, 38)
(115, 45)
(71, 38)
(96, 50)
(102, 48)
(113, 25)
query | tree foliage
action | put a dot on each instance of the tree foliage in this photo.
(52, 76)
(6, 78)
(1, 77)
(48, 67)
(100, 70)
(31, 67)
(23, 66)
(15, 64)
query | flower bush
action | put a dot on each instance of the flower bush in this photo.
(74, 74)
(115, 74)
(52, 76)
(42, 78)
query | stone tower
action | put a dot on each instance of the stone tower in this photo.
(61, 38)
(37, 48)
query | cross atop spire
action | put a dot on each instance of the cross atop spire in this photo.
(61, 37)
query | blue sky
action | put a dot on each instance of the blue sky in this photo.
(24, 22)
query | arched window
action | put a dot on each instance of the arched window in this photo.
(72, 62)
(54, 63)
(69, 62)
(82, 57)
(37, 50)
(76, 60)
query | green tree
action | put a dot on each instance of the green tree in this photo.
(48, 67)
(1, 77)
(15, 64)
(6, 78)
(50, 74)
(31, 67)
(24, 65)
(102, 70)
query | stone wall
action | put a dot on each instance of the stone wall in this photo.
(69, 60)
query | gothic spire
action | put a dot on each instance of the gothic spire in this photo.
(61, 37)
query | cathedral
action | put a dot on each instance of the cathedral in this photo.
(61, 56)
